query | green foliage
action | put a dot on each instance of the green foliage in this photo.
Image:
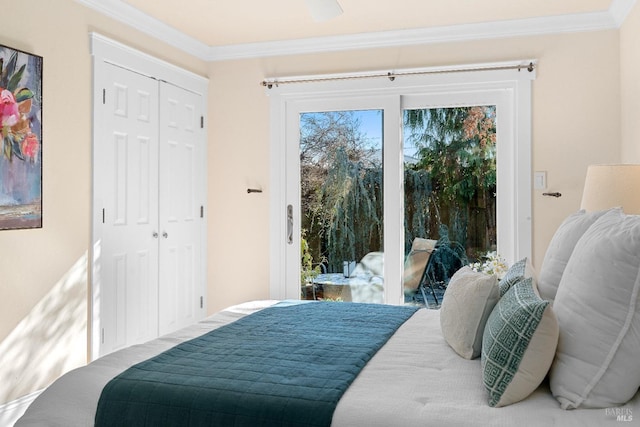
(307, 270)
(15, 79)
(457, 147)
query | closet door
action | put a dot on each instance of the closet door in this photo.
(127, 168)
(181, 207)
(148, 254)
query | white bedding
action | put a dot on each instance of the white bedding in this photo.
(416, 379)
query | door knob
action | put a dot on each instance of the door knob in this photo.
(165, 234)
(155, 234)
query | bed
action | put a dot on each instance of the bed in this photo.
(415, 379)
(519, 351)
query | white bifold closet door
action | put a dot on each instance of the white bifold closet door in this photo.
(179, 213)
(150, 249)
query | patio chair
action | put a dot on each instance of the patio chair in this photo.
(430, 264)
(415, 276)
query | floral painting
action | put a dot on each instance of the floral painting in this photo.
(21, 139)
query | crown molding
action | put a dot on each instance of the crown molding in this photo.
(444, 34)
(619, 10)
(129, 15)
(593, 21)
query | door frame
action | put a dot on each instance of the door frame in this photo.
(511, 87)
(107, 51)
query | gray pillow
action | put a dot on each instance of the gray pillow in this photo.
(518, 271)
(466, 306)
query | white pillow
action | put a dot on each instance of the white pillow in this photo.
(466, 306)
(519, 342)
(560, 250)
(597, 361)
(372, 264)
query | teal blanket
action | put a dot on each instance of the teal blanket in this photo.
(282, 366)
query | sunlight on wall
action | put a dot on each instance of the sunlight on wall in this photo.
(50, 341)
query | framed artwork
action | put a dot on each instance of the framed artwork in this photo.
(20, 139)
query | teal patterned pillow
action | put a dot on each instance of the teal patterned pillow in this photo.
(518, 345)
(514, 274)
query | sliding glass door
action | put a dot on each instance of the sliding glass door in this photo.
(360, 174)
(449, 199)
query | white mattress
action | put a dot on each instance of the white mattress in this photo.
(414, 380)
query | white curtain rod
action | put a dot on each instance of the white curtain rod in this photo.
(391, 75)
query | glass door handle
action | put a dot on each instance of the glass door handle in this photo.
(290, 224)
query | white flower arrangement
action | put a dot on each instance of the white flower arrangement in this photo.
(492, 264)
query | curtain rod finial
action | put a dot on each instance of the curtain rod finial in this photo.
(530, 67)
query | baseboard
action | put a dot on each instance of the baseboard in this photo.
(11, 411)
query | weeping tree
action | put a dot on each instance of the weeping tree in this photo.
(417, 208)
(335, 162)
(352, 196)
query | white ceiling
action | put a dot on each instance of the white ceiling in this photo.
(224, 29)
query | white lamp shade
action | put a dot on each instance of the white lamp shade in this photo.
(609, 186)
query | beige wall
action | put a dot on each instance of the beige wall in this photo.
(576, 109)
(630, 83)
(43, 273)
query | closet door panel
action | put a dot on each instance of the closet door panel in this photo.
(129, 250)
(181, 152)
